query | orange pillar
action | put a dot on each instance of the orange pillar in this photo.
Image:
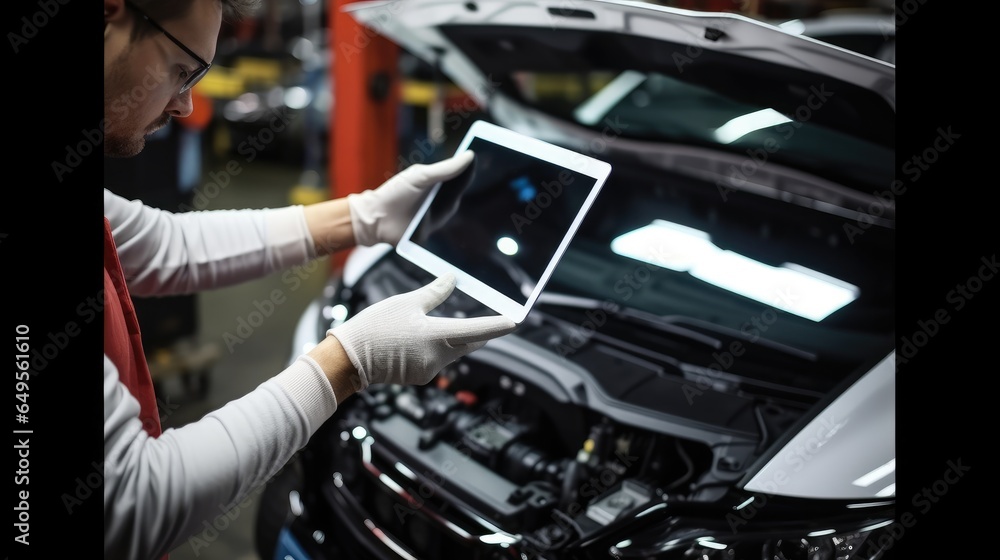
(366, 97)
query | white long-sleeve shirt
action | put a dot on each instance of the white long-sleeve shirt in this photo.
(160, 491)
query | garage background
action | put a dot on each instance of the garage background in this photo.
(267, 132)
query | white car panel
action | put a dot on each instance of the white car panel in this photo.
(847, 451)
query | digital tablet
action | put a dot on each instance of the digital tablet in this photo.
(502, 225)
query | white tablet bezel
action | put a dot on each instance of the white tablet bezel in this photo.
(466, 282)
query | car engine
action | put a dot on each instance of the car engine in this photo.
(515, 452)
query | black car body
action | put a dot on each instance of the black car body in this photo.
(710, 372)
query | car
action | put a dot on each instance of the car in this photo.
(710, 370)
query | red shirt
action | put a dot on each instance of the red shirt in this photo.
(122, 339)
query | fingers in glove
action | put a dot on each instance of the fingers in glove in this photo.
(429, 175)
(434, 294)
(457, 332)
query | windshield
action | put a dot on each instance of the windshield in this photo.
(670, 246)
(665, 266)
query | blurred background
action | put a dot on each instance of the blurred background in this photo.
(302, 105)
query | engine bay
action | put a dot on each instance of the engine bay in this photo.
(624, 414)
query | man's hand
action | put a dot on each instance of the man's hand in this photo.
(395, 341)
(381, 215)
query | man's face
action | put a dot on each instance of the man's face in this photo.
(142, 78)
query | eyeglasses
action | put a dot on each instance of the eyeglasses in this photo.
(197, 74)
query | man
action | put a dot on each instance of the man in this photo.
(161, 486)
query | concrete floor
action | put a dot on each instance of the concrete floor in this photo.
(267, 351)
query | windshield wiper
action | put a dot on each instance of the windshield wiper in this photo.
(735, 333)
(673, 324)
(669, 324)
(628, 314)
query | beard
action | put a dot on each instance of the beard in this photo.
(129, 144)
(124, 136)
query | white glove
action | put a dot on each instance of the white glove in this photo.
(395, 341)
(381, 215)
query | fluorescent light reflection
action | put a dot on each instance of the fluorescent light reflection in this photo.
(650, 510)
(869, 504)
(498, 538)
(875, 475)
(789, 287)
(745, 503)
(822, 532)
(709, 542)
(878, 525)
(405, 470)
(745, 124)
(795, 27)
(507, 246)
(390, 483)
(591, 111)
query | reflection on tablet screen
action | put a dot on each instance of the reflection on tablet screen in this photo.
(503, 218)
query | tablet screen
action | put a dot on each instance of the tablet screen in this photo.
(503, 219)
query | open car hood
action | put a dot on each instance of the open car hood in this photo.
(417, 26)
(666, 87)
(654, 77)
